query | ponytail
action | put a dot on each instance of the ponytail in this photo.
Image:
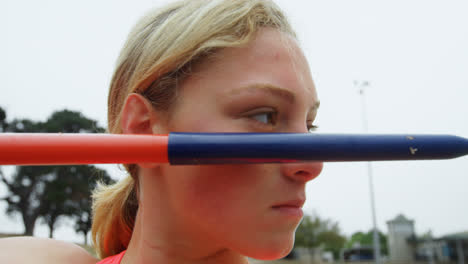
(114, 213)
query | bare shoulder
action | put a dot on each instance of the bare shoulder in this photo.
(16, 250)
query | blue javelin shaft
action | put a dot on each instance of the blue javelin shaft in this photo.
(231, 148)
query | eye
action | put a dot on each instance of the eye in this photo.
(310, 126)
(265, 116)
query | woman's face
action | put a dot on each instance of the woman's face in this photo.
(252, 209)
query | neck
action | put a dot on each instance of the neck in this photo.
(158, 237)
(145, 248)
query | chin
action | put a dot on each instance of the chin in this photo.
(273, 249)
(272, 254)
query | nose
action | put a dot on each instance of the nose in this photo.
(302, 172)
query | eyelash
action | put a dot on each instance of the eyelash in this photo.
(272, 118)
(312, 128)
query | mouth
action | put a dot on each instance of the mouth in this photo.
(298, 203)
(292, 208)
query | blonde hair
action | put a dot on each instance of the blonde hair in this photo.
(158, 55)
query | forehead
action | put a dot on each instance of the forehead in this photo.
(273, 58)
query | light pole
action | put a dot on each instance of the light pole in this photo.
(361, 85)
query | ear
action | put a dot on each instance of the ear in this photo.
(138, 116)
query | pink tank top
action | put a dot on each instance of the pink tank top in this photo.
(113, 259)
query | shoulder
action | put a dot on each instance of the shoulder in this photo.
(42, 250)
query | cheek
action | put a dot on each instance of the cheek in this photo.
(228, 195)
(216, 188)
(232, 204)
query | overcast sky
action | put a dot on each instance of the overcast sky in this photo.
(61, 54)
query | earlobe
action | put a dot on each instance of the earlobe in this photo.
(138, 115)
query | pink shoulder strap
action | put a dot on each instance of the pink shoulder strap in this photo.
(113, 259)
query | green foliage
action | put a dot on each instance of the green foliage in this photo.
(64, 121)
(52, 192)
(69, 194)
(25, 193)
(426, 235)
(366, 239)
(332, 241)
(307, 232)
(71, 122)
(315, 232)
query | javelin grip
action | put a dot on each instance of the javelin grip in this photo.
(229, 148)
(74, 149)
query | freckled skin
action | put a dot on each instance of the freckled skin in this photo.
(228, 208)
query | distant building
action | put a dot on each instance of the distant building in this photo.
(400, 230)
(449, 248)
(405, 247)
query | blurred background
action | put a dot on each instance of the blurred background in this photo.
(405, 61)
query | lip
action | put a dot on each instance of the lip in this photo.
(298, 203)
(291, 208)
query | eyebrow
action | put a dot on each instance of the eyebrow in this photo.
(271, 89)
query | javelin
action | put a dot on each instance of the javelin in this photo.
(223, 148)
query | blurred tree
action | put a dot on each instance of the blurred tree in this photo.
(426, 235)
(366, 239)
(27, 184)
(332, 241)
(57, 198)
(88, 177)
(25, 195)
(51, 192)
(314, 232)
(307, 232)
(2, 120)
(66, 121)
(22, 126)
(70, 195)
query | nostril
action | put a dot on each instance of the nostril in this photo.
(303, 176)
(302, 173)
